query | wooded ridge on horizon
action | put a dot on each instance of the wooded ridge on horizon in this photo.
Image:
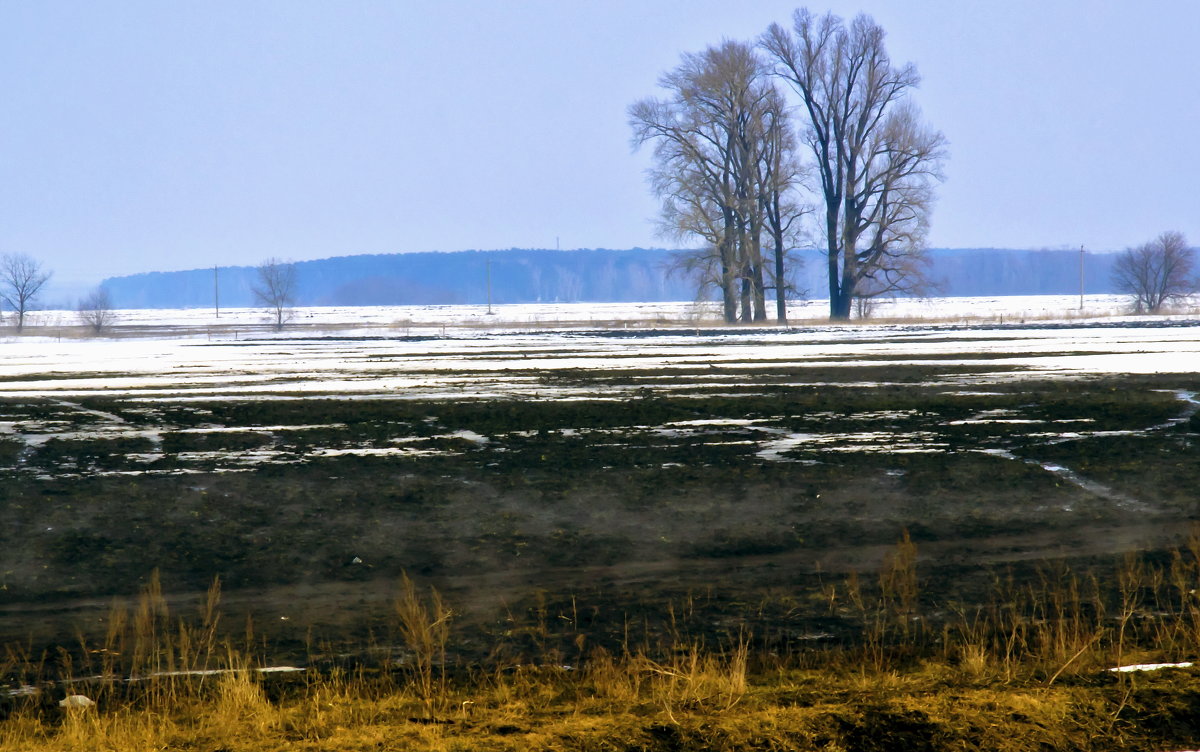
(596, 275)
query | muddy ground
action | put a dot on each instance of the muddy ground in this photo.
(621, 511)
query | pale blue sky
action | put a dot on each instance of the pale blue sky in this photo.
(154, 135)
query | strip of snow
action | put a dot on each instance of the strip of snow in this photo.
(988, 421)
(257, 429)
(1149, 667)
(376, 452)
(218, 672)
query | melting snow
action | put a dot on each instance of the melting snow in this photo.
(1150, 667)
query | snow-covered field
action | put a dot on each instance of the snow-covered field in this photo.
(439, 352)
(423, 319)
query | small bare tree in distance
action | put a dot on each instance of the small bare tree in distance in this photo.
(21, 279)
(276, 289)
(1156, 273)
(95, 310)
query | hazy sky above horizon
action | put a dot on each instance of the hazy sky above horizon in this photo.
(144, 135)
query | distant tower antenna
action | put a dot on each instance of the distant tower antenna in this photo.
(216, 296)
(556, 243)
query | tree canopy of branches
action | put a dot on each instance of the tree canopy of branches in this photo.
(21, 279)
(874, 158)
(95, 310)
(276, 289)
(1156, 273)
(725, 171)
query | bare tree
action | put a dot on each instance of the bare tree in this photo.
(21, 279)
(1157, 272)
(874, 159)
(95, 310)
(722, 160)
(276, 289)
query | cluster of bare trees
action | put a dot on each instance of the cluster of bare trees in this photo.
(22, 278)
(737, 166)
(1157, 273)
(726, 172)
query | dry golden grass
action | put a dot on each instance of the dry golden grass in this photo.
(1026, 671)
(922, 709)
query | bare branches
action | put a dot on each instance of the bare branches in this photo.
(1157, 272)
(724, 163)
(276, 289)
(728, 170)
(21, 279)
(875, 160)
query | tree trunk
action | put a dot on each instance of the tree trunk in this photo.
(780, 286)
(845, 299)
(756, 274)
(839, 309)
(728, 294)
(780, 290)
(728, 278)
(747, 299)
(835, 288)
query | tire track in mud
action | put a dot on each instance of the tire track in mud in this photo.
(76, 407)
(109, 424)
(1123, 501)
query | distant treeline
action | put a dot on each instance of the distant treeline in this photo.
(532, 276)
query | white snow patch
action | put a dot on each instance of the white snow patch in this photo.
(76, 702)
(470, 436)
(1150, 667)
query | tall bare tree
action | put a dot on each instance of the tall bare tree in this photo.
(874, 158)
(1157, 272)
(276, 289)
(720, 153)
(21, 280)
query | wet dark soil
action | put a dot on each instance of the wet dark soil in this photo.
(542, 518)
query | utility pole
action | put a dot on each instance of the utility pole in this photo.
(489, 286)
(216, 296)
(1081, 277)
